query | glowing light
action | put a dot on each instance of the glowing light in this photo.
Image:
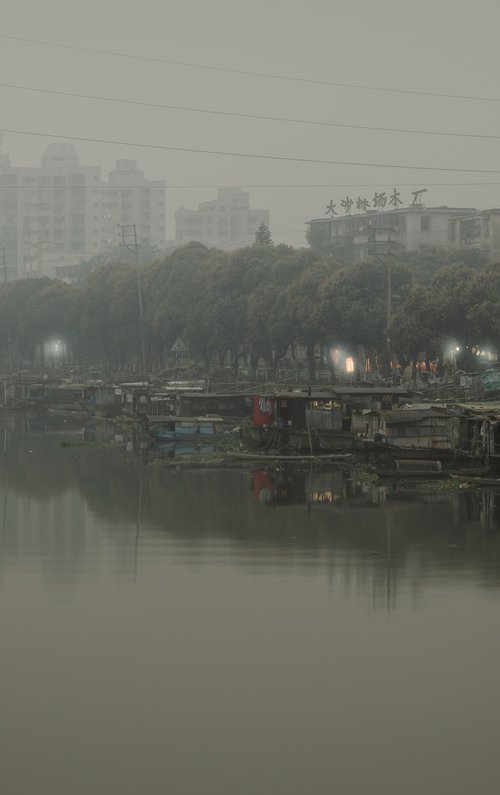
(335, 356)
(349, 364)
(55, 348)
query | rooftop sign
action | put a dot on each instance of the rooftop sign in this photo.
(380, 201)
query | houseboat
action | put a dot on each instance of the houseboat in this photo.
(428, 432)
(317, 419)
(56, 397)
(234, 405)
(102, 399)
(480, 430)
(133, 398)
(412, 429)
(170, 427)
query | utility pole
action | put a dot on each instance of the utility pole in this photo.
(128, 239)
(9, 341)
(389, 296)
(381, 250)
(4, 262)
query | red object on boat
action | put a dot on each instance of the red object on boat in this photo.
(263, 411)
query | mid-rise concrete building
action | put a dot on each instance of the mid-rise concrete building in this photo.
(355, 237)
(60, 213)
(227, 222)
(478, 230)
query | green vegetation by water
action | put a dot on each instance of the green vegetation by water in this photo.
(255, 305)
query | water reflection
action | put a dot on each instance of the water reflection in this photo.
(288, 485)
(242, 630)
(68, 509)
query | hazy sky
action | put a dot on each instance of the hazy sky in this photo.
(445, 46)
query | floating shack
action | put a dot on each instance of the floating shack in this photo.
(15, 390)
(430, 432)
(62, 397)
(319, 419)
(133, 397)
(479, 434)
(102, 398)
(170, 427)
(237, 405)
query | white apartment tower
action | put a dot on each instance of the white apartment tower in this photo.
(60, 213)
(130, 198)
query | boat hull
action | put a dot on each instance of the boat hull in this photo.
(419, 453)
(299, 440)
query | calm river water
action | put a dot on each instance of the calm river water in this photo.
(241, 631)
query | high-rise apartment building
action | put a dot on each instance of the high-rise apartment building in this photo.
(130, 198)
(227, 222)
(60, 213)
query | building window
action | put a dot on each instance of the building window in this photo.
(425, 223)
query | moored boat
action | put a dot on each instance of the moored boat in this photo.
(297, 458)
(171, 427)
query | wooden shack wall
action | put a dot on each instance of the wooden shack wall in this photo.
(291, 411)
(226, 406)
(324, 420)
(430, 432)
(359, 423)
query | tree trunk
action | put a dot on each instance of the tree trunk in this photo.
(254, 363)
(310, 363)
(331, 367)
(235, 356)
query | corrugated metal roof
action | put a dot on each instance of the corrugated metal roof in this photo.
(330, 393)
(480, 408)
(370, 390)
(402, 416)
(219, 395)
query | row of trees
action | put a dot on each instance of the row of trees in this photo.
(256, 304)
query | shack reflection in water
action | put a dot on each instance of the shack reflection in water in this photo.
(287, 485)
(241, 630)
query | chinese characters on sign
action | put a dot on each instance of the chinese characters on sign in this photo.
(417, 201)
(346, 204)
(379, 202)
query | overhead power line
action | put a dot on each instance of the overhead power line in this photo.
(248, 72)
(257, 116)
(319, 186)
(253, 156)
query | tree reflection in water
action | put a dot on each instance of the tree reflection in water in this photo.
(64, 504)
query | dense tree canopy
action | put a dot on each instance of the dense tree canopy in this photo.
(256, 305)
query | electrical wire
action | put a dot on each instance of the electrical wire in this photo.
(248, 72)
(248, 155)
(242, 185)
(256, 116)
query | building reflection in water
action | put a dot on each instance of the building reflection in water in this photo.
(72, 511)
(286, 486)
